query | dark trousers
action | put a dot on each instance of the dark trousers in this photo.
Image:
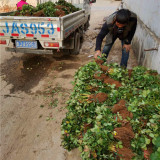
(125, 54)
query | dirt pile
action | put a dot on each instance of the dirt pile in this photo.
(104, 68)
(100, 76)
(130, 72)
(99, 61)
(39, 13)
(100, 97)
(124, 133)
(104, 76)
(111, 81)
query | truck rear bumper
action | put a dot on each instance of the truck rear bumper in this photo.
(32, 51)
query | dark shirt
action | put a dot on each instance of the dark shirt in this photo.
(104, 31)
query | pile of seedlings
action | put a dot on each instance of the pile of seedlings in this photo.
(113, 113)
(47, 9)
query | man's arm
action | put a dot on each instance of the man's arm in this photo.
(104, 31)
(132, 32)
(127, 41)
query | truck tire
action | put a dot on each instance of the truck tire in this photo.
(77, 44)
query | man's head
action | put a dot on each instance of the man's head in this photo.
(122, 18)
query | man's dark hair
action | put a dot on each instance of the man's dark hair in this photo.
(123, 16)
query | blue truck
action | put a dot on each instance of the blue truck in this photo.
(45, 35)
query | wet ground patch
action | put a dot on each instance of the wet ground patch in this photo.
(25, 72)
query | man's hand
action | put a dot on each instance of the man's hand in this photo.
(127, 47)
(98, 53)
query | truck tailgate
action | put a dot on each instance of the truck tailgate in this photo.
(29, 27)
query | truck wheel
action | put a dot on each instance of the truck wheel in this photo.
(77, 44)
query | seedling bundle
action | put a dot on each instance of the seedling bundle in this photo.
(113, 113)
(47, 9)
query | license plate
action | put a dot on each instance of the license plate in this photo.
(26, 44)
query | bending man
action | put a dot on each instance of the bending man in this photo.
(121, 24)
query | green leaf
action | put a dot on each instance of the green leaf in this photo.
(145, 93)
(130, 108)
(100, 141)
(144, 146)
(80, 148)
(120, 146)
(151, 120)
(147, 141)
(99, 117)
(155, 156)
(117, 145)
(133, 145)
(151, 135)
(120, 142)
(156, 142)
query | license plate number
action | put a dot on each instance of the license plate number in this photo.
(26, 44)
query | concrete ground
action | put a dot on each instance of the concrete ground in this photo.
(34, 89)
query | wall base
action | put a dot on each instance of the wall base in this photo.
(143, 40)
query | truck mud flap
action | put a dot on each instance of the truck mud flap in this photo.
(32, 51)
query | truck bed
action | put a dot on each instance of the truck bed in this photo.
(40, 28)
